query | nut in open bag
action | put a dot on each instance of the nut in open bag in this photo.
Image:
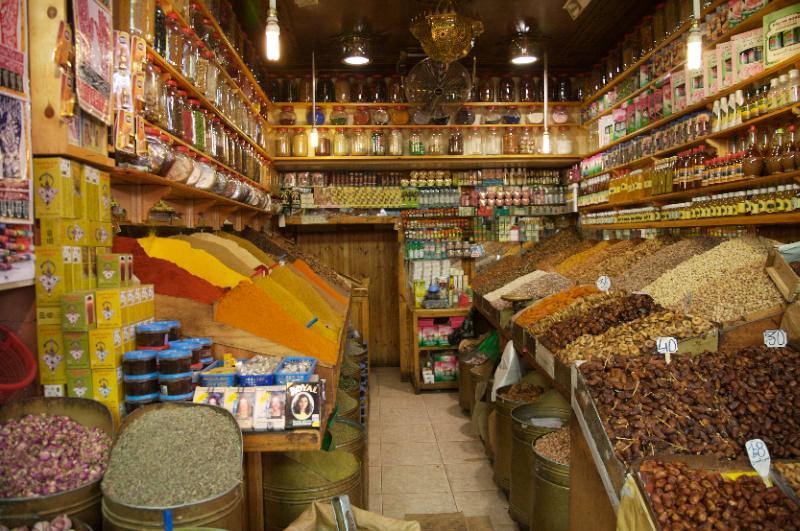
(319, 517)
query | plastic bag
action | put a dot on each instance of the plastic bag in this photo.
(466, 330)
(509, 371)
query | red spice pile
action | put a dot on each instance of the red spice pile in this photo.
(168, 278)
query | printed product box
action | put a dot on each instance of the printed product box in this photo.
(86, 265)
(781, 35)
(630, 116)
(79, 383)
(77, 311)
(711, 72)
(620, 128)
(658, 104)
(133, 311)
(118, 412)
(751, 7)
(302, 404)
(109, 308)
(726, 65)
(695, 83)
(679, 91)
(53, 187)
(101, 235)
(445, 368)
(78, 195)
(48, 315)
(105, 348)
(77, 268)
(107, 386)
(748, 54)
(129, 277)
(270, 408)
(109, 267)
(643, 111)
(55, 390)
(444, 335)
(104, 196)
(91, 200)
(51, 276)
(92, 267)
(52, 363)
(241, 402)
(667, 94)
(55, 232)
(76, 350)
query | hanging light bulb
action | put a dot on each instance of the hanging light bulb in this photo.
(313, 138)
(523, 49)
(694, 43)
(273, 31)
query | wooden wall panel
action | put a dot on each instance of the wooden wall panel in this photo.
(366, 251)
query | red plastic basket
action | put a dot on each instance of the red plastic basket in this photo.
(17, 365)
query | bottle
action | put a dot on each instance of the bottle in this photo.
(741, 203)
(781, 98)
(723, 113)
(699, 163)
(772, 95)
(763, 194)
(770, 199)
(733, 109)
(753, 159)
(715, 117)
(764, 140)
(762, 100)
(752, 104)
(780, 197)
(774, 166)
(788, 152)
(793, 88)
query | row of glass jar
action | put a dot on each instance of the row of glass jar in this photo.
(183, 166)
(360, 142)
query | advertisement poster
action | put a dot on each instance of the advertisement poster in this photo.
(13, 47)
(93, 57)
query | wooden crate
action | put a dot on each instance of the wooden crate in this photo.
(782, 274)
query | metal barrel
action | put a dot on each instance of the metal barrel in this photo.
(82, 503)
(502, 439)
(358, 447)
(355, 392)
(464, 384)
(223, 511)
(479, 373)
(522, 434)
(549, 495)
(354, 413)
(290, 487)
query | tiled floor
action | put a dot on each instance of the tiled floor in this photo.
(422, 458)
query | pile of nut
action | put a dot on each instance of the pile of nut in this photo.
(795, 267)
(577, 307)
(655, 265)
(500, 268)
(597, 320)
(576, 259)
(491, 250)
(513, 285)
(593, 261)
(685, 498)
(791, 471)
(554, 446)
(549, 262)
(538, 288)
(524, 392)
(710, 405)
(634, 337)
(620, 263)
(563, 240)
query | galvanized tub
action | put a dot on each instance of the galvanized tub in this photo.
(290, 487)
(223, 511)
(82, 503)
(549, 494)
(464, 384)
(522, 434)
(354, 413)
(502, 439)
(357, 447)
(478, 373)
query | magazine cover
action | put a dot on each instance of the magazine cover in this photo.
(302, 405)
(240, 401)
(270, 408)
(212, 396)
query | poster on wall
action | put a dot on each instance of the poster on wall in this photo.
(13, 47)
(15, 159)
(93, 57)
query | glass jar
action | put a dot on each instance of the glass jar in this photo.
(400, 115)
(222, 181)
(182, 165)
(341, 144)
(202, 68)
(636, 44)
(212, 77)
(359, 144)
(511, 115)
(159, 154)
(283, 146)
(231, 186)
(160, 30)
(563, 88)
(318, 116)
(395, 92)
(420, 118)
(361, 116)
(378, 143)
(491, 116)
(685, 11)
(300, 143)
(493, 141)
(206, 33)
(289, 89)
(396, 142)
(377, 89)
(225, 145)
(465, 116)
(527, 141)
(173, 108)
(380, 116)
(551, 90)
(560, 114)
(239, 190)
(272, 87)
(527, 88)
(153, 93)
(192, 14)
(579, 88)
(338, 115)
(174, 48)
(358, 89)
(510, 141)
(564, 143)
(627, 52)
(671, 17)
(473, 142)
(305, 88)
(208, 176)
(187, 118)
(416, 142)
(342, 88)
(455, 143)
(325, 90)
(212, 142)
(199, 124)
(506, 91)
(287, 116)
(436, 142)
(486, 89)
(189, 55)
(323, 148)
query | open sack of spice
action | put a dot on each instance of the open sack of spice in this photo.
(59, 523)
(319, 517)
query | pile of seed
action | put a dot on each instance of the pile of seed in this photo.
(502, 267)
(554, 446)
(260, 240)
(671, 288)
(539, 288)
(550, 262)
(616, 265)
(513, 285)
(348, 382)
(563, 240)
(593, 261)
(576, 307)
(576, 259)
(738, 293)
(170, 457)
(658, 263)
(343, 432)
(345, 402)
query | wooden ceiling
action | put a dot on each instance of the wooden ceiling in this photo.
(572, 46)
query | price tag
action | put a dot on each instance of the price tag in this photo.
(603, 283)
(774, 338)
(667, 346)
(760, 460)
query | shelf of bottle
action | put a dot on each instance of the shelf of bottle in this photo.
(758, 219)
(392, 126)
(350, 105)
(684, 195)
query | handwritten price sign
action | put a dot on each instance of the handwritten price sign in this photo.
(603, 283)
(774, 338)
(760, 460)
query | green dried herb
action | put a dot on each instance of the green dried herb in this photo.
(349, 366)
(343, 433)
(345, 402)
(348, 382)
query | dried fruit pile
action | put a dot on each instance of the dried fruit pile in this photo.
(554, 303)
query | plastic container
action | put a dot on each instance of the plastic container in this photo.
(174, 329)
(205, 343)
(256, 380)
(141, 385)
(174, 361)
(137, 362)
(175, 385)
(178, 398)
(218, 380)
(152, 336)
(132, 403)
(192, 346)
(282, 378)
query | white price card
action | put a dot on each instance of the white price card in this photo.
(775, 338)
(603, 283)
(760, 460)
(667, 345)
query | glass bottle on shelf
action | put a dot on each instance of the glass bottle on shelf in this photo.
(493, 141)
(473, 141)
(289, 89)
(323, 148)
(174, 49)
(455, 144)
(358, 89)
(563, 88)
(400, 115)
(378, 143)
(753, 159)
(341, 144)
(153, 93)
(136, 17)
(486, 89)
(527, 141)
(560, 115)
(789, 149)
(564, 142)
(793, 91)
(506, 91)
(325, 90)
(527, 88)
(342, 88)
(338, 115)
(173, 109)
(396, 142)
(189, 55)
(377, 89)
(420, 118)
(361, 116)
(511, 115)
(659, 26)
(491, 116)
(416, 142)
(359, 144)
(202, 68)
(395, 92)
(465, 115)
(380, 116)
(300, 143)
(305, 88)
(627, 52)
(160, 30)
(315, 116)
(774, 157)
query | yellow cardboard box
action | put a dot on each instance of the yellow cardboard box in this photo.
(76, 350)
(91, 193)
(78, 311)
(52, 363)
(56, 232)
(118, 412)
(109, 309)
(105, 348)
(48, 315)
(92, 267)
(77, 268)
(109, 267)
(107, 386)
(53, 195)
(51, 276)
(102, 235)
(79, 383)
(104, 196)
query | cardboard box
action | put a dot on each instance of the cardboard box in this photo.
(51, 276)
(53, 187)
(108, 270)
(77, 269)
(101, 234)
(133, 315)
(129, 277)
(92, 268)
(109, 308)
(104, 196)
(105, 348)
(748, 54)
(107, 386)
(76, 349)
(78, 195)
(695, 84)
(57, 232)
(78, 311)
(91, 193)
(52, 363)
(48, 315)
(445, 368)
(781, 35)
(55, 390)
(725, 65)
(79, 383)
(118, 412)
(711, 72)
(679, 91)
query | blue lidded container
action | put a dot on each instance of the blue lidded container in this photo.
(152, 336)
(132, 403)
(141, 384)
(174, 361)
(175, 384)
(136, 362)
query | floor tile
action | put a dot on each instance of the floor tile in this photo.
(411, 479)
(375, 473)
(413, 433)
(440, 399)
(376, 503)
(452, 431)
(403, 415)
(466, 477)
(491, 503)
(373, 431)
(374, 453)
(447, 413)
(401, 401)
(399, 505)
(462, 452)
(390, 392)
(512, 527)
(374, 412)
(409, 454)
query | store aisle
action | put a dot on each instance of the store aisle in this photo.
(422, 459)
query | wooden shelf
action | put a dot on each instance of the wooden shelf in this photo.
(361, 220)
(473, 104)
(759, 219)
(439, 348)
(438, 386)
(390, 126)
(447, 162)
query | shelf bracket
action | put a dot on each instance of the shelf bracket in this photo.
(138, 199)
(215, 216)
(258, 221)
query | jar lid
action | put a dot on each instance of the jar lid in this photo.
(527, 75)
(490, 107)
(563, 128)
(322, 128)
(200, 44)
(359, 76)
(377, 75)
(186, 345)
(269, 75)
(172, 15)
(307, 76)
(436, 128)
(493, 128)
(172, 83)
(511, 106)
(341, 129)
(485, 76)
(142, 398)
(381, 108)
(475, 128)
(318, 108)
(506, 75)
(359, 108)
(394, 128)
(192, 154)
(338, 107)
(157, 327)
(164, 137)
(173, 354)
(395, 75)
(140, 377)
(324, 75)
(188, 31)
(648, 17)
(377, 129)
(151, 130)
(176, 398)
(206, 21)
(194, 102)
(455, 128)
(174, 376)
(290, 76)
(139, 355)
(203, 159)
(343, 76)
(628, 36)
(527, 128)
(182, 92)
(358, 129)
(299, 130)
